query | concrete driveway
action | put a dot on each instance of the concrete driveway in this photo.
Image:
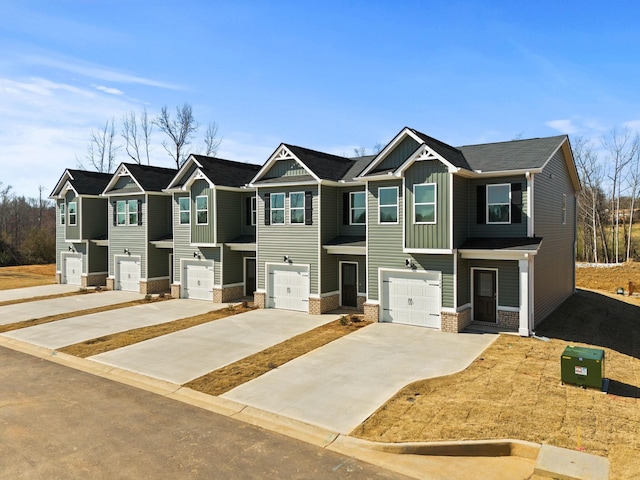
(43, 308)
(39, 291)
(341, 384)
(185, 355)
(78, 329)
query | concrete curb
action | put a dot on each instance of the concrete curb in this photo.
(549, 461)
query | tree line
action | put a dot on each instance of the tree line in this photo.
(609, 202)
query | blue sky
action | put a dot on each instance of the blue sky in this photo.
(327, 75)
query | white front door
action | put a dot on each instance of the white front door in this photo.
(412, 298)
(128, 274)
(288, 287)
(197, 280)
(72, 269)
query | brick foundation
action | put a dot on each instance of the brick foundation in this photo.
(230, 294)
(361, 301)
(510, 320)
(259, 299)
(371, 312)
(455, 322)
(111, 283)
(175, 291)
(94, 280)
(154, 286)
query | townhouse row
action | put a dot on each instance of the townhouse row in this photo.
(422, 233)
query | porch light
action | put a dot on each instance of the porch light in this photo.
(127, 252)
(196, 255)
(70, 248)
(286, 259)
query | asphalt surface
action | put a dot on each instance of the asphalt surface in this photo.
(59, 423)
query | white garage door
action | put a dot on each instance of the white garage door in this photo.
(72, 269)
(412, 298)
(128, 274)
(289, 287)
(197, 280)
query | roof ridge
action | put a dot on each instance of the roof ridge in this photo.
(340, 157)
(434, 139)
(235, 162)
(513, 141)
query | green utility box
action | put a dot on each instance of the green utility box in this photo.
(582, 366)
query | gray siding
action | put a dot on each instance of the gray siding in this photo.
(300, 242)
(98, 258)
(94, 218)
(508, 280)
(285, 168)
(232, 265)
(73, 232)
(247, 228)
(421, 235)
(461, 207)
(346, 229)
(554, 265)
(399, 154)
(202, 234)
(228, 214)
(132, 237)
(158, 222)
(125, 185)
(507, 230)
(61, 246)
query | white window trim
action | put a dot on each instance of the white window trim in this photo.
(181, 211)
(129, 212)
(297, 208)
(63, 214)
(397, 205)
(75, 214)
(352, 208)
(126, 216)
(434, 203)
(564, 209)
(272, 209)
(489, 222)
(206, 209)
(254, 211)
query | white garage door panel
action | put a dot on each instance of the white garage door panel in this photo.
(197, 281)
(289, 288)
(412, 298)
(72, 269)
(128, 275)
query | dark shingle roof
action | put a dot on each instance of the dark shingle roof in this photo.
(288, 179)
(88, 183)
(493, 243)
(451, 154)
(227, 172)
(324, 165)
(360, 163)
(513, 155)
(348, 241)
(151, 179)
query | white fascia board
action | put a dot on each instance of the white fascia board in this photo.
(475, 254)
(281, 153)
(121, 171)
(422, 153)
(195, 176)
(344, 250)
(284, 184)
(242, 247)
(500, 173)
(185, 167)
(66, 176)
(405, 132)
(431, 251)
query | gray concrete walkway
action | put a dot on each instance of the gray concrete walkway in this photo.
(183, 356)
(339, 385)
(78, 329)
(39, 291)
(43, 308)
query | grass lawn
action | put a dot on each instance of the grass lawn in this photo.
(27, 276)
(513, 390)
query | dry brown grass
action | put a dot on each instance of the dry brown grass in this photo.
(609, 278)
(117, 340)
(61, 316)
(513, 390)
(27, 276)
(235, 374)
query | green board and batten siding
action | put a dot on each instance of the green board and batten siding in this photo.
(399, 155)
(285, 168)
(203, 234)
(72, 231)
(346, 228)
(508, 280)
(554, 264)
(229, 213)
(461, 214)
(159, 225)
(94, 218)
(329, 224)
(246, 227)
(428, 235)
(60, 233)
(300, 242)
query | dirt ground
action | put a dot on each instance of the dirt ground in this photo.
(27, 276)
(609, 278)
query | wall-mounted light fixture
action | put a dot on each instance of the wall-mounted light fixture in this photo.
(196, 255)
(127, 252)
(70, 248)
(286, 259)
(409, 264)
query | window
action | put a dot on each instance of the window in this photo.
(63, 215)
(357, 208)
(184, 205)
(73, 214)
(388, 204)
(132, 206)
(499, 203)
(121, 209)
(296, 207)
(202, 210)
(277, 209)
(564, 208)
(424, 203)
(254, 210)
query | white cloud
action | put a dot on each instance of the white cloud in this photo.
(563, 126)
(109, 90)
(633, 125)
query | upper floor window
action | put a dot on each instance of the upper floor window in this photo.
(63, 214)
(184, 205)
(564, 208)
(499, 203)
(121, 215)
(73, 214)
(388, 204)
(126, 212)
(357, 208)
(202, 210)
(277, 209)
(132, 207)
(424, 203)
(254, 210)
(296, 207)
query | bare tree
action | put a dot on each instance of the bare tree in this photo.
(102, 149)
(377, 148)
(360, 151)
(211, 140)
(137, 135)
(634, 184)
(146, 127)
(180, 131)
